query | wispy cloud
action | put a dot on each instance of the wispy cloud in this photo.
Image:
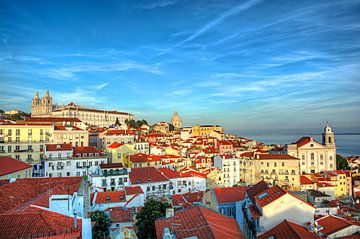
(71, 72)
(231, 12)
(101, 86)
(158, 4)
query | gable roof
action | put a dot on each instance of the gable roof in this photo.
(332, 224)
(37, 222)
(115, 145)
(146, 175)
(230, 195)
(187, 199)
(20, 194)
(85, 150)
(288, 229)
(130, 190)
(58, 147)
(305, 180)
(201, 222)
(256, 189)
(305, 140)
(9, 165)
(119, 214)
(110, 197)
(269, 195)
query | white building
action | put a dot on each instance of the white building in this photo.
(265, 207)
(61, 160)
(314, 156)
(112, 176)
(230, 167)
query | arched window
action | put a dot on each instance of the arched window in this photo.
(312, 156)
(329, 140)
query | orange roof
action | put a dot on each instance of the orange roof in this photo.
(146, 175)
(288, 229)
(58, 147)
(305, 180)
(36, 191)
(119, 214)
(269, 195)
(305, 140)
(111, 165)
(133, 190)
(38, 223)
(144, 158)
(51, 119)
(115, 145)
(332, 224)
(201, 222)
(119, 132)
(256, 189)
(187, 199)
(9, 165)
(230, 195)
(110, 197)
(85, 150)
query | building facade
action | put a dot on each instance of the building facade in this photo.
(314, 156)
(176, 121)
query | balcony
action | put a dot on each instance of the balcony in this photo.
(115, 172)
(59, 167)
(23, 150)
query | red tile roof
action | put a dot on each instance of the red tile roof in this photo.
(58, 147)
(332, 224)
(85, 150)
(230, 195)
(169, 173)
(115, 145)
(119, 132)
(201, 222)
(110, 197)
(133, 190)
(305, 140)
(269, 195)
(38, 223)
(144, 158)
(288, 229)
(146, 175)
(275, 156)
(52, 119)
(9, 165)
(305, 180)
(256, 189)
(20, 194)
(187, 199)
(111, 165)
(119, 214)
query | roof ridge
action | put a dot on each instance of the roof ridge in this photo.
(288, 223)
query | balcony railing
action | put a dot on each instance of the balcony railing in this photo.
(23, 150)
(27, 142)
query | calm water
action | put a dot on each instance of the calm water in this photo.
(346, 145)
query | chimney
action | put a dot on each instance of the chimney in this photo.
(75, 221)
(169, 212)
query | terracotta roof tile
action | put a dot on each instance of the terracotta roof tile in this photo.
(58, 147)
(85, 150)
(200, 222)
(332, 224)
(187, 199)
(146, 175)
(230, 195)
(256, 189)
(36, 223)
(269, 195)
(110, 197)
(119, 214)
(305, 180)
(20, 194)
(288, 229)
(115, 145)
(133, 190)
(9, 165)
(276, 156)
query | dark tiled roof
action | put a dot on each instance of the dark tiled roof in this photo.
(9, 165)
(229, 195)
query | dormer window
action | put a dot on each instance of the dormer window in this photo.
(311, 145)
(78, 155)
(121, 197)
(107, 198)
(58, 146)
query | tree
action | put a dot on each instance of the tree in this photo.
(152, 210)
(117, 122)
(171, 127)
(342, 163)
(101, 227)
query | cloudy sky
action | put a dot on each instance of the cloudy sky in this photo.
(242, 64)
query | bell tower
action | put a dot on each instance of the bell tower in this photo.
(36, 104)
(328, 138)
(47, 103)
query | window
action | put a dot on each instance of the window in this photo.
(68, 174)
(283, 164)
(312, 156)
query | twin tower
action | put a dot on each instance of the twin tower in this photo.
(41, 107)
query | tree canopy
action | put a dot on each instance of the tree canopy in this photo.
(152, 210)
(342, 163)
(101, 227)
(136, 124)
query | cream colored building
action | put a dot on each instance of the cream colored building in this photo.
(71, 134)
(25, 142)
(314, 156)
(176, 121)
(205, 130)
(43, 107)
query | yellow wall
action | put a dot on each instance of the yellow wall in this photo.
(29, 139)
(205, 130)
(119, 154)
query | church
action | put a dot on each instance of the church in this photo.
(314, 156)
(43, 107)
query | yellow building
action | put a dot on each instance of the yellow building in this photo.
(205, 130)
(119, 152)
(12, 168)
(338, 179)
(280, 169)
(25, 142)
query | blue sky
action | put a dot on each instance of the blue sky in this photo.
(243, 64)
